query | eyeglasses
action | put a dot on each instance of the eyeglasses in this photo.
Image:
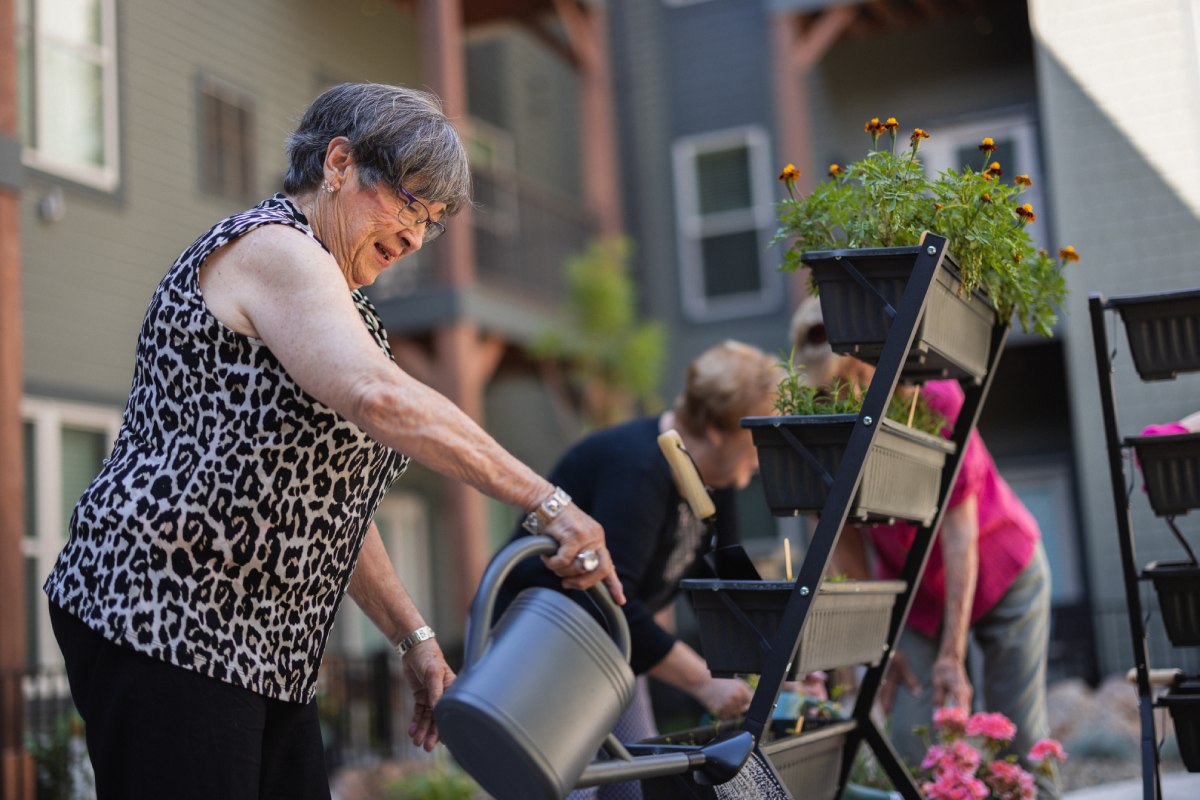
(433, 228)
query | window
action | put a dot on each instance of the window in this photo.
(66, 51)
(226, 141)
(957, 146)
(65, 445)
(725, 218)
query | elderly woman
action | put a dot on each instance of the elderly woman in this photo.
(205, 564)
(621, 477)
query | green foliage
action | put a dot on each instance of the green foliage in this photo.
(887, 200)
(60, 758)
(795, 396)
(439, 782)
(612, 359)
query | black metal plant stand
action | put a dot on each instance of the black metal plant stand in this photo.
(898, 358)
(1164, 337)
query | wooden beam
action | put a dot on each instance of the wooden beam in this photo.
(811, 45)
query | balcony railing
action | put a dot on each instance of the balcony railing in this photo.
(524, 235)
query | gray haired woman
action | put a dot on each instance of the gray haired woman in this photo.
(205, 564)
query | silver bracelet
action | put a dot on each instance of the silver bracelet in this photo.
(539, 519)
(421, 634)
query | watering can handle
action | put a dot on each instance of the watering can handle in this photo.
(479, 622)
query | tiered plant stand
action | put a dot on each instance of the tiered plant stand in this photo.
(1164, 340)
(811, 624)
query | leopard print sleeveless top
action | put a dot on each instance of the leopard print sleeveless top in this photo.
(222, 530)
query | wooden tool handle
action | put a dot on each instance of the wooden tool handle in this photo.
(687, 477)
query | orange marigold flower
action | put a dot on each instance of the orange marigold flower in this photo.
(938, 206)
(790, 173)
(835, 170)
(1017, 257)
(985, 198)
(891, 124)
(1022, 180)
(874, 126)
(1068, 254)
(987, 145)
(917, 136)
(993, 170)
(1026, 214)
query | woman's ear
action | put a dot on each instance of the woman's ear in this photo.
(338, 158)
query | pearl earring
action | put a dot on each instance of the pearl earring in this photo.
(330, 189)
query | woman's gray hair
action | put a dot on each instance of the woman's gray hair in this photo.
(398, 136)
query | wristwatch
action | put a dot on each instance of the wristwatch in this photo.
(536, 521)
(421, 634)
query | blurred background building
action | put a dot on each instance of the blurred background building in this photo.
(128, 126)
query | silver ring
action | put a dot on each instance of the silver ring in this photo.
(588, 560)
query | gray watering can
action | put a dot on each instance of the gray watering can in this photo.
(535, 703)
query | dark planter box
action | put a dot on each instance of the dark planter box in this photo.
(901, 475)
(847, 623)
(1163, 330)
(807, 765)
(1171, 471)
(1185, 715)
(1177, 584)
(954, 336)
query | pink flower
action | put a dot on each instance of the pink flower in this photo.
(950, 720)
(991, 725)
(955, 786)
(1047, 748)
(1010, 782)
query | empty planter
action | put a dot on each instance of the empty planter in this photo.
(1177, 584)
(847, 623)
(1163, 330)
(1171, 470)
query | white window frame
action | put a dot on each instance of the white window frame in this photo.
(107, 177)
(938, 151)
(691, 226)
(43, 544)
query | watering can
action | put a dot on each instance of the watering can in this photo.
(537, 700)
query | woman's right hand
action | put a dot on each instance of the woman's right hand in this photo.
(575, 531)
(726, 698)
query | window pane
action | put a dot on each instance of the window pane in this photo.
(76, 21)
(723, 180)
(731, 264)
(30, 488)
(33, 601)
(82, 454)
(71, 128)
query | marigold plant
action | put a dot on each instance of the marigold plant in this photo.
(886, 200)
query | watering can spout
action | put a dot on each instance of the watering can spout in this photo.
(724, 758)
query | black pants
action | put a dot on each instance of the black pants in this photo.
(158, 732)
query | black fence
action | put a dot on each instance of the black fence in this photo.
(363, 704)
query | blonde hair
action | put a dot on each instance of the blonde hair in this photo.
(724, 384)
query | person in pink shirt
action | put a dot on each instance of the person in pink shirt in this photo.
(987, 579)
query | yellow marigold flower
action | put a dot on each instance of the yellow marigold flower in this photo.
(993, 170)
(938, 206)
(987, 145)
(1017, 257)
(790, 173)
(891, 124)
(917, 136)
(1026, 214)
(1022, 180)
(874, 126)
(1068, 254)
(835, 170)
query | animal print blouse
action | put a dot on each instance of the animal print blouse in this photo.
(222, 530)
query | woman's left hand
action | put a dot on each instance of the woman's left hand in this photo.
(428, 674)
(576, 532)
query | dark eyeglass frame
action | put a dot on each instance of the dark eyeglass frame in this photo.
(433, 228)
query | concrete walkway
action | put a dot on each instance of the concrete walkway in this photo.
(1175, 786)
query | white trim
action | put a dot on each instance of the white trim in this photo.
(49, 417)
(691, 227)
